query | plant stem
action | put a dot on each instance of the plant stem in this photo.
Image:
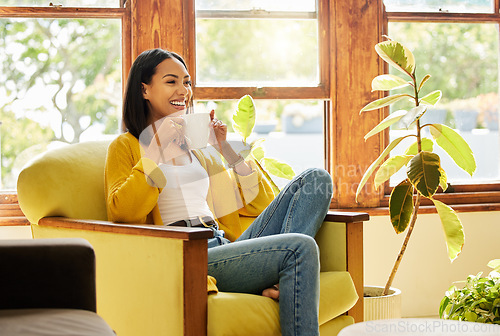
(273, 185)
(403, 247)
(415, 209)
(419, 137)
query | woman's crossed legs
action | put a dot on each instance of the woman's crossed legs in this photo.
(278, 248)
(290, 259)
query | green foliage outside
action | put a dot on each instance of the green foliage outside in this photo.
(463, 58)
(59, 78)
(477, 301)
(232, 52)
(423, 169)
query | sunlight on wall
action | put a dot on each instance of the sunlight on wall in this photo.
(425, 272)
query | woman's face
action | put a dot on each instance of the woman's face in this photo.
(169, 91)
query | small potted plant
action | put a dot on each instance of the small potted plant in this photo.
(477, 301)
(243, 123)
(424, 174)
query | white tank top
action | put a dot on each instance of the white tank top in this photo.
(185, 195)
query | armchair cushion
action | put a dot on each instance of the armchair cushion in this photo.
(81, 197)
(252, 314)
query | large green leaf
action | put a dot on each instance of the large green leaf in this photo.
(427, 145)
(391, 119)
(413, 115)
(244, 117)
(390, 167)
(424, 80)
(456, 147)
(424, 173)
(388, 82)
(431, 98)
(397, 55)
(453, 229)
(278, 168)
(401, 205)
(379, 103)
(375, 163)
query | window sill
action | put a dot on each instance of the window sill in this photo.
(427, 209)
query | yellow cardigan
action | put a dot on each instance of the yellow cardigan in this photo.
(134, 182)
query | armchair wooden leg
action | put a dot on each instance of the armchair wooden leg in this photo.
(355, 266)
(195, 285)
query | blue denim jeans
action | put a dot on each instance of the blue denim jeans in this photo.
(278, 247)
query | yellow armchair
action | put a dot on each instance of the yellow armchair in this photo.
(152, 280)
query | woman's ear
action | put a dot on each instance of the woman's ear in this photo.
(144, 88)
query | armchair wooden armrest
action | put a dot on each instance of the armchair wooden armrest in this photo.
(149, 278)
(176, 232)
(354, 252)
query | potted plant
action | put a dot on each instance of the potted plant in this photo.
(477, 301)
(424, 174)
(243, 123)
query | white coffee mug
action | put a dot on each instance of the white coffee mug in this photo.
(196, 129)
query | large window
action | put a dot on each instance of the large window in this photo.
(457, 42)
(60, 81)
(272, 51)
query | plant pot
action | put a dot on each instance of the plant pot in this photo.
(466, 120)
(434, 116)
(264, 127)
(491, 119)
(378, 307)
(298, 124)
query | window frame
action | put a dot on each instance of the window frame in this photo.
(484, 196)
(320, 92)
(345, 87)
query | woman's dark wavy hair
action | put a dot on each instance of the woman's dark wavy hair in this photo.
(135, 109)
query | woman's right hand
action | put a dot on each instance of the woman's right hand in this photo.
(167, 131)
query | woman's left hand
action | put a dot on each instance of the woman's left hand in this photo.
(218, 134)
(218, 131)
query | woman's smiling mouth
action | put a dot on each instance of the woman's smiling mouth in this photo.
(178, 104)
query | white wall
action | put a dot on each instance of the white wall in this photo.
(425, 272)
(15, 232)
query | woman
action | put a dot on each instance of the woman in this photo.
(152, 177)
